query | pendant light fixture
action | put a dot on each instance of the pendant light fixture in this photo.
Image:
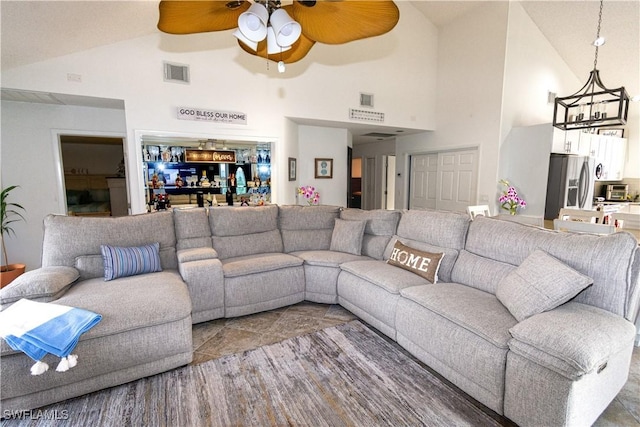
(593, 106)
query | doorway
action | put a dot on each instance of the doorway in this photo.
(446, 180)
(94, 175)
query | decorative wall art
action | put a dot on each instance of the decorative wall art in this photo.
(293, 167)
(324, 168)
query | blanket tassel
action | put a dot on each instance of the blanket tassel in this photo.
(67, 363)
(39, 368)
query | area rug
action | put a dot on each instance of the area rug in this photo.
(345, 375)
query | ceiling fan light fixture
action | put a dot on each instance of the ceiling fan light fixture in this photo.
(249, 43)
(272, 44)
(253, 22)
(287, 31)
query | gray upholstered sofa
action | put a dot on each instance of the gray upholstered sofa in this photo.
(560, 363)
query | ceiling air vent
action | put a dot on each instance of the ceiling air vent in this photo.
(176, 73)
(366, 100)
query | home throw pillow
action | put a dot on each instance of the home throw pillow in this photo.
(541, 283)
(347, 236)
(422, 263)
(129, 261)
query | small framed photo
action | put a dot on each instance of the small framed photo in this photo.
(324, 168)
(611, 132)
(293, 167)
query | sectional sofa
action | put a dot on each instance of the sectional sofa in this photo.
(535, 324)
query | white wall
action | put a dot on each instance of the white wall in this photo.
(532, 69)
(29, 146)
(324, 143)
(322, 86)
(471, 52)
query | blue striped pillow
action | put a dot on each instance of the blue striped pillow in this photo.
(122, 262)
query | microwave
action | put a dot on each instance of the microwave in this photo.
(617, 192)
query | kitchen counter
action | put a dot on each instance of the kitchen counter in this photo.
(548, 224)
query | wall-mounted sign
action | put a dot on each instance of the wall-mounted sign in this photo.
(210, 156)
(188, 113)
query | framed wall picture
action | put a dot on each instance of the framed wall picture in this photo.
(324, 168)
(611, 132)
(293, 167)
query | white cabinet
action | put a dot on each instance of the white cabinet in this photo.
(611, 153)
(571, 142)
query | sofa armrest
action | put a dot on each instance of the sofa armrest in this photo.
(196, 254)
(43, 284)
(573, 340)
(201, 270)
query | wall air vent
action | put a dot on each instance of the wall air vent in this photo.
(366, 115)
(176, 73)
(366, 100)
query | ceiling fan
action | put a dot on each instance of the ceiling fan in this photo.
(284, 33)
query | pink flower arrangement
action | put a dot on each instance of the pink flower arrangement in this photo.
(309, 193)
(510, 200)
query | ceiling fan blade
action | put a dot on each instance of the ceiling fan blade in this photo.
(336, 22)
(188, 17)
(298, 50)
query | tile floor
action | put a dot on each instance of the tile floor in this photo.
(227, 336)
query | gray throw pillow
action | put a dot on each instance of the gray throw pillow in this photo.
(541, 283)
(42, 284)
(347, 236)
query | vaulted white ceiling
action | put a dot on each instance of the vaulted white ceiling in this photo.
(32, 31)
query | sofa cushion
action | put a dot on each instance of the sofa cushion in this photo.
(237, 232)
(228, 221)
(608, 260)
(572, 340)
(347, 236)
(258, 263)
(388, 277)
(540, 283)
(447, 262)
(130, 261)
(257, 243)
(472, 309)
(479, 272)
(43, 285)
(307, 228)
(192, 228)
(437, 228)
(422, 263)
(327, 258)
(381, 226)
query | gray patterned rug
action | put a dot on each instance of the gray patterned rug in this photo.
(340, 376)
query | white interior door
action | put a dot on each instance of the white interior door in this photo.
(390, 183)
(446, 181)
(423, 181)
(458, 171)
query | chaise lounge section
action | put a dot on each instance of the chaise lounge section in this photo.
(556, 355)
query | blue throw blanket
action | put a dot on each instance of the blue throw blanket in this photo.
(37, 328)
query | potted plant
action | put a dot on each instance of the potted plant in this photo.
(9, 213)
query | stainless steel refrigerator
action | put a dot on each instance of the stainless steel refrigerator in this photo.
(569, 184)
